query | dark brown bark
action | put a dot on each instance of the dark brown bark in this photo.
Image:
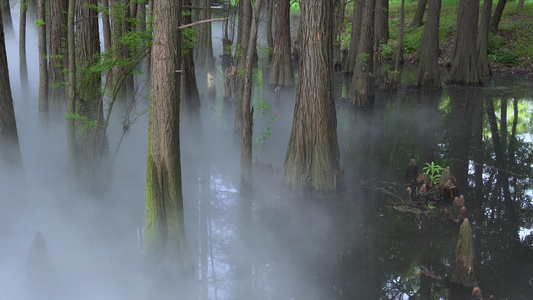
(22, 48)
(520, 5)
(204, 42)
(483, 39)
(419, 13)
(165, 238)
(354, 37)
(281, 72)
(497, 16)
(43, 64)
(5, 9)
(90, 128)
(362, 88)
(247, 111)
(465, 69)
(339, 9)
(58, 57)
(428, 77)
(312, 160)
(9, 141)
(381, 23)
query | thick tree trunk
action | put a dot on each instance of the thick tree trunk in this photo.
(483, 39)
(204, 42)
(312, 161)
(9, 141)
(5, 9)
(497, 16)
(22, 48)
(428, 77)
(165, 240)
(281, 72)
(58, 55)
(362, 88)
(419, 13)
(354, 37)
(43, 64)
(465, 69)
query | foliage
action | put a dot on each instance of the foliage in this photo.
(264, 108)
(39, 22)
(433, 171)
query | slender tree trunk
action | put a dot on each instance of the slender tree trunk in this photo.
(22, 48)
(381, 31)
(483, 39)
(9, 141)
(497, 16)
(354, 37)
(428, 77)
(122, 79)
(465, 68)
(106, 31)
(165, 239)
(398, 54)
(204, 45)
(340, 6)
(362, 89)
(312, 160)
(270, 27)
(190, 97)
(58, 58)
(148, 58)
(243, 35)
(281, 72)
(247, 111)
(71, 102)
(520, 5)
(419, 13)
(43, 64)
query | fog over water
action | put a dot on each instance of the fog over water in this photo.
(277, 246)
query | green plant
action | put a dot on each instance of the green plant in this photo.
(266, 132)
(433, 171)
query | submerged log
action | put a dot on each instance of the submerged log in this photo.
(464, 257)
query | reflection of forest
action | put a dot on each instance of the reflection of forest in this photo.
(485, 136)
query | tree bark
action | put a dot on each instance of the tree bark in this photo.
(58, 58)
(71, 101)
(312, 160)
(22, 48)
(465, 69)
(204, 42)
(165, 239)
(9, 141)
(270, 27)
(483, 39)
(354, 37)
(243, 36)
(520, 5)
(362, 88)
(497, 16)
(148, 59)
(419, 13)
(381, 30)
(5, 9)
(43, 64)
(281, 72)
(428, 77)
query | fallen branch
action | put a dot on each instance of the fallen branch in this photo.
(201, 22)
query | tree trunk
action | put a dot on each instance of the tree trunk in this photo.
(165, 240)
(362, 89)
(190, 97)
(148, 59)
(419, 13)
(5, 9)
(270, 26)
(247, 111)
(398, 54)
(464, 257)
(483, 39)
(465, 68)
(204, 42)
(243, 36)
(312, 160)
(520, 5)
(106, 31)
(381, 31)
(281, 72)
(9, 141)
(339, 8)
(22, 49)
(58, 54)
(90, 128)
(71, 102)
(43, 64)
(428, 77)
(497, 16)
(354, 37)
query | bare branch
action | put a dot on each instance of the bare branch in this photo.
(201, 22)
